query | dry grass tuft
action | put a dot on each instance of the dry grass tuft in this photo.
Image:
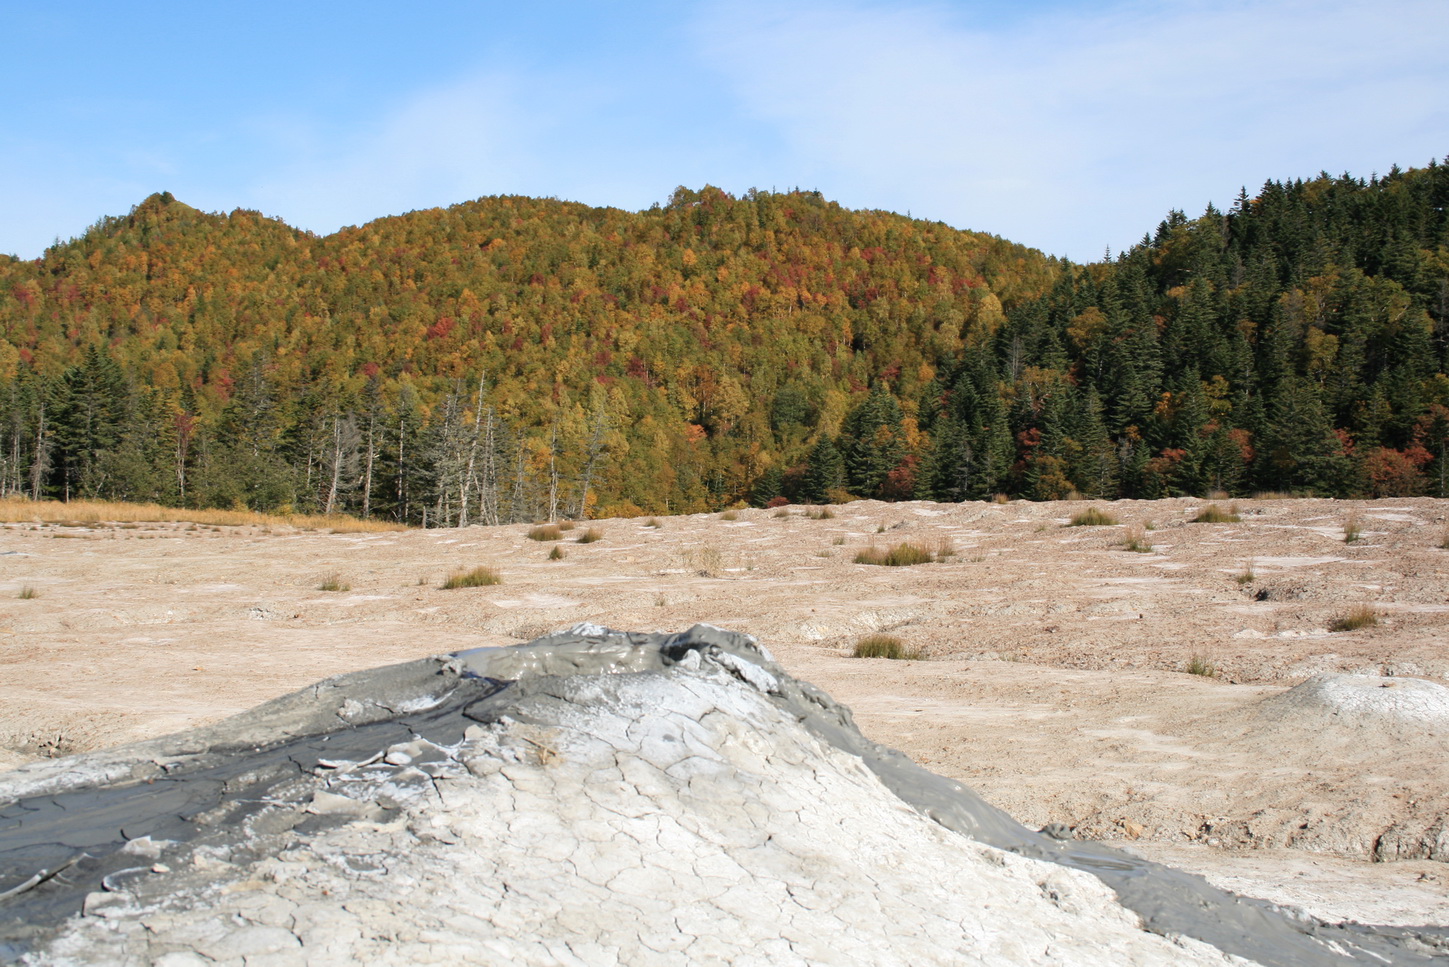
(1201, 664)
(1246, 575)
(1351, 529)
(479, 577)
(28, 593)
(1213, 514)
(1360, 617)
(590, 535)
(566, 525)
(546, 532)
(334, 582)
(706, 561)
(729, 515)
(781, 512)
(820, 513)
(557, 554)
(653, 522)
(902, 555)
(1092, 517)
(886, 646)
(1135, 540)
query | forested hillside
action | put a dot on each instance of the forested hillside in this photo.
(516, 358)
(1298, 342)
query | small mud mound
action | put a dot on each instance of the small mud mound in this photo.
(1363, 702)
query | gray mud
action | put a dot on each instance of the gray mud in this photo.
(232, 789)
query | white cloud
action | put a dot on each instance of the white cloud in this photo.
(1080, 130)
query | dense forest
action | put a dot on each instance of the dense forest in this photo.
(516, 359)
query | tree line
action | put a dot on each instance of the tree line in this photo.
(516, 359)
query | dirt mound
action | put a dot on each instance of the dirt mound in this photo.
(1363, 702)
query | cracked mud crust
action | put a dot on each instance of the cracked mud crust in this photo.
(593, 797)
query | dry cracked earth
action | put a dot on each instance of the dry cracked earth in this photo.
(1056, 679)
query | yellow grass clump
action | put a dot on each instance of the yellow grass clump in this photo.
(1213, 514)
(902, 555)
(1092, 517)
(1360, 617)
(479, 577)
(886, 646)
(1135, 540)
(15, 510)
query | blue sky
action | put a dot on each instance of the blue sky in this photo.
(1068, 126)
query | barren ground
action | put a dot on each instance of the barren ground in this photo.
(1057, 683)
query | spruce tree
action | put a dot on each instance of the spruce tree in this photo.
(824, 473)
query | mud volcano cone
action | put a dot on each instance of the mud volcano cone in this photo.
(593, 797)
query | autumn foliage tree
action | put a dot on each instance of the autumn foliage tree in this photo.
(515, 358)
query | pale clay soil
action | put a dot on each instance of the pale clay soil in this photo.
(1056, 683)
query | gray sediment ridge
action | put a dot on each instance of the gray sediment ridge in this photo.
(106, 836)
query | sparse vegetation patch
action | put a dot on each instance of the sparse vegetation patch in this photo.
(556, 553)
(886, 646)
(1135, 540)
(1360, 617)
(1201, 664)
(546, 532)
(479, 577)
(1213, 514)
(1092, 517)
(1351, 529)
(590, 535)
(334, 582)
(80, 513)
(27, 593)
(706, 561)
(904, 554)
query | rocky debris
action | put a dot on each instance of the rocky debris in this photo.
(1404, 841)
(591, 798)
